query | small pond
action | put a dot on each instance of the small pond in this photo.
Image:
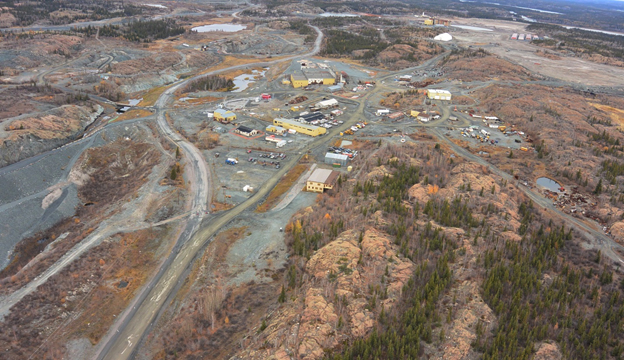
(549, 184)
(243, 81)
(220, 27)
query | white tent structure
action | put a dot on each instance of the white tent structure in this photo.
(443, 37)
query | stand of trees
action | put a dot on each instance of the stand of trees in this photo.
(29, 12)
(344, 43)
(138, 31)
(211, 83)
(543, 287)
(304, 29)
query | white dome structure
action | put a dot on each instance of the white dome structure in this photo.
(443, 37)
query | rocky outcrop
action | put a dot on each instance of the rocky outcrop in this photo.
(617, 230)
(7, 20)
(300, 8)
(546, 351)
(461, 333)
(26, 137)
(335, 303)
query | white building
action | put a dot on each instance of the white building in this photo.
(327, 103)
(439, 94)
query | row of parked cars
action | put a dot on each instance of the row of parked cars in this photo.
(339, 150)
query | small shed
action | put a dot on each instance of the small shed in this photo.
(334, 88)
(276, 129)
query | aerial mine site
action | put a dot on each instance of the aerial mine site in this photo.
(306, 180)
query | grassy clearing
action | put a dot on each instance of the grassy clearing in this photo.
(616, 115)
(282, 187)
(197, 101)
(277, 70)
(133, 114)
(149, 98)
(129, 261)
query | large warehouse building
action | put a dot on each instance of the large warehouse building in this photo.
(300, 127)
(309, 76)
(439, 94)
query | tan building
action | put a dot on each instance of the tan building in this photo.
(321, 179)
(300, 127)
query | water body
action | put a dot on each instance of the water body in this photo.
(155, 5)
(220, 27)
(539, 10)
(467, 27)
(549, 184)
(131, 103)
(243, 81)
(330, 14)
(594, 30)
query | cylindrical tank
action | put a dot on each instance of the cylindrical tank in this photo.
(349, 168)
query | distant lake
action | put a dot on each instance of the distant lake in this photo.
(220, 27)
(594, 30)
(539, 10)
(329, 14)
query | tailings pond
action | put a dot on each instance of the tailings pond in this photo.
(549, 184)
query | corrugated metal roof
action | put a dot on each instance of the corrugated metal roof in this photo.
(320, 175)
(296, 123)
(336, 156)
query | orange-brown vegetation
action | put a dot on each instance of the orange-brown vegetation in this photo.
(58, 123)
(355, 279)
(156, 63)
(547, 54)
(282, 187)
(133, 114)
(479, 65)
(83, 299)
(406, 100)
(213, 316)
(116, 170)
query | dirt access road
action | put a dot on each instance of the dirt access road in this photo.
(596, 238)
(137, 319)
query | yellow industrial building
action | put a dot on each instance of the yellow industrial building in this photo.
(224, 115)
(321, 179)
(439, 94)
(298, 80)
(300, 127)
(414, 113)
(312, 76)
